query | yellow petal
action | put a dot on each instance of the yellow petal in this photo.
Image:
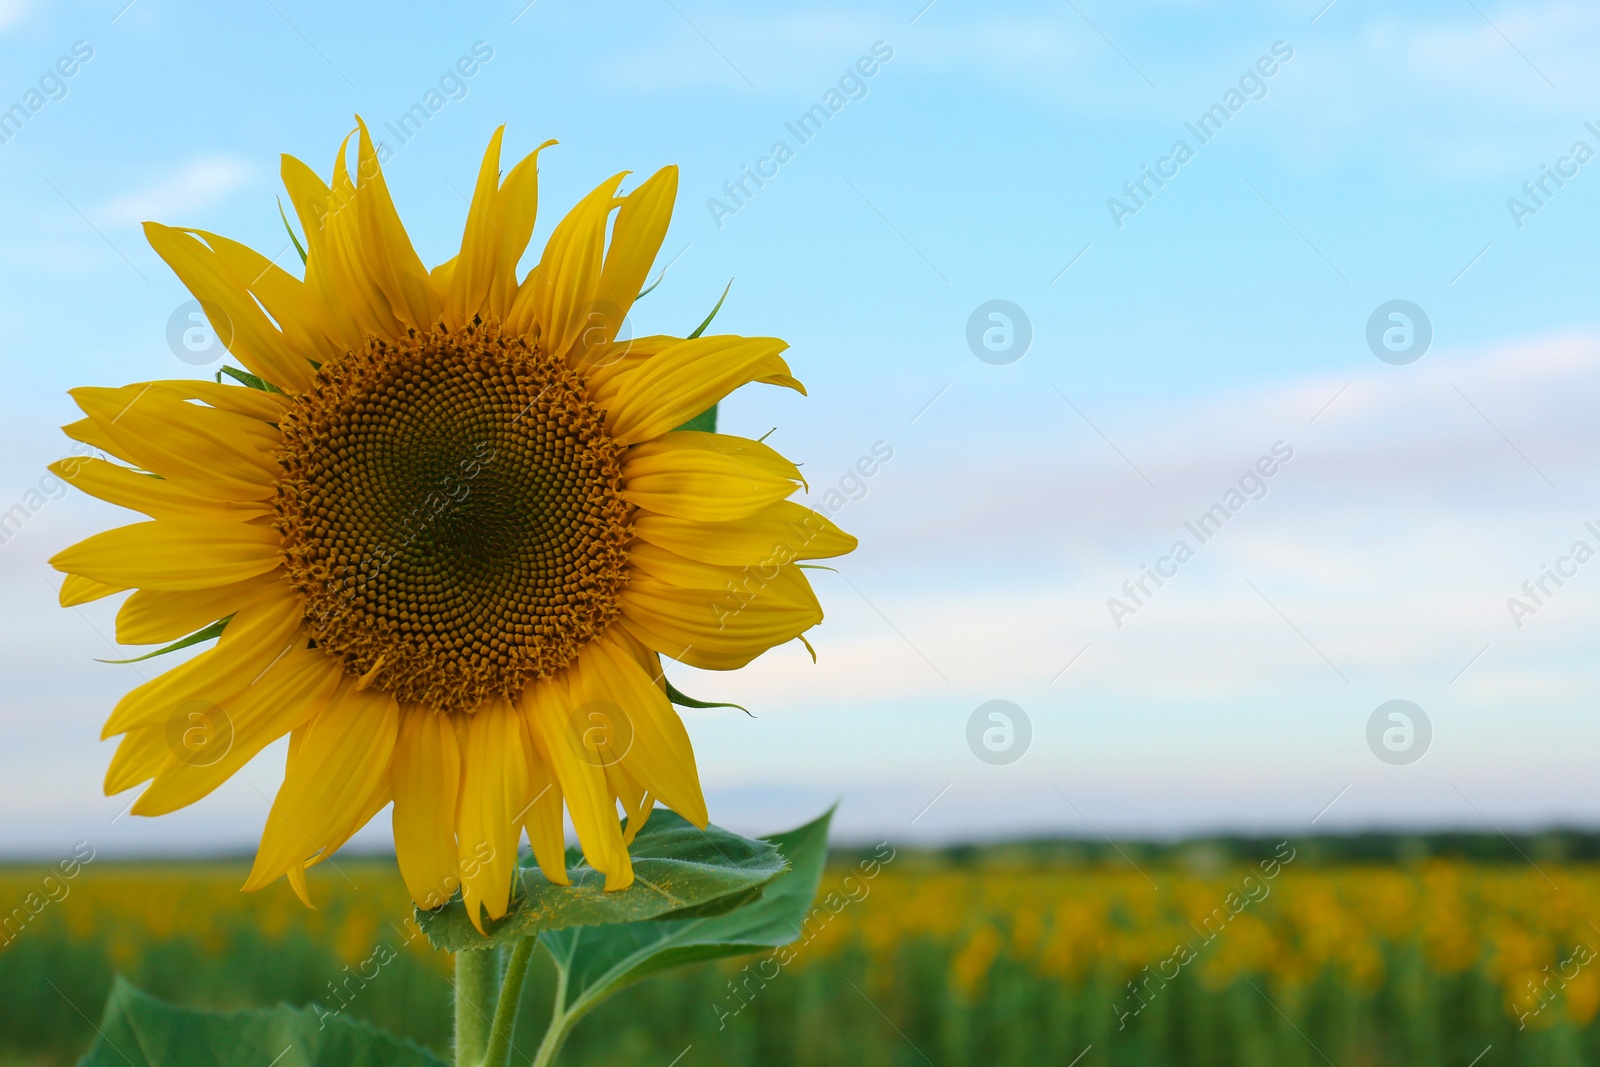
(293, 305)
(343, 758)
(635, 239)
(313, 203)
(514, 209)
(297, 882)
(426, 779)
(174, 554)
(466, 288)
(87, 431)
(637, 802)
(336, 268)
(250, 335)
(559, 295)
(620, 357)
(483, 278)
(160, 498)
(238, 399)
(213, 453)
(386, 248)
(77, 589)
(378, 799)
(139, 755)
(543, 820)
(556, 716)
(154, 617)
(260, 632)
(718, 626)
(710, 477)
(779, 533)
(495, 776)
(147, 408)
(659, 756)
(209, 742)
(673, 387)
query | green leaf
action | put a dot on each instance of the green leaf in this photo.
(705, 422)
(686, 701)
(597, 962)
(676, 866)
(140, 1031)
(298, 247)
(244, 377)
(203, 634)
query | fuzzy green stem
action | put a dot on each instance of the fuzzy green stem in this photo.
(477, 983)
(498, 1054)
(555, 1034)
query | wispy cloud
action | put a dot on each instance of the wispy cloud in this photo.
(13, 12)
(194, 187)
(1402, 495)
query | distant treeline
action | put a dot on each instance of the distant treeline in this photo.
(1202, 854)
(1198, 855)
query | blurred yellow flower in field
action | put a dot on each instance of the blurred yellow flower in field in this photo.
(1089, 928)
(971, 964)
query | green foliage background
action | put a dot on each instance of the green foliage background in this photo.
(183, 933)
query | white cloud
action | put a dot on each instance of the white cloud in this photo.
(197, 185)
(14, 11)
(1414, 506)
(1390, 542)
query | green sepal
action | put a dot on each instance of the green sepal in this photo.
(298, 247)
(205, 633)
(700, 329)
(597, 962)
(139, 1031)
(706, 421)
(244, 377)
(678, 868)
(686, 701)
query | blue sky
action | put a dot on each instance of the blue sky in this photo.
(1168, 355)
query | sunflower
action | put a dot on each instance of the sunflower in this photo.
(444, 525)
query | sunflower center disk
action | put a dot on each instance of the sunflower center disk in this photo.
(451, 508)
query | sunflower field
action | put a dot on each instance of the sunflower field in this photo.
(1277, 953)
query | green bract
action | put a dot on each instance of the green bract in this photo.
(676, 867)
